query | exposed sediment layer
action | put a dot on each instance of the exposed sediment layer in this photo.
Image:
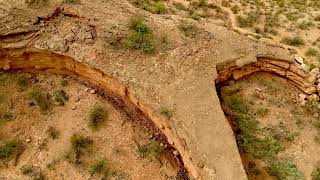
(34, 59)
(290, 70)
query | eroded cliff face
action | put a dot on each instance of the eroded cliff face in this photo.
(71, 39)
(288, 69)
(38, 60)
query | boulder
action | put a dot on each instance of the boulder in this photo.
(298, 59)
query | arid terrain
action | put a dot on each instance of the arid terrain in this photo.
(160, 89)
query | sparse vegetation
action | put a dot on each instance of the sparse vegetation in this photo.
(99, 167)
(140, 37)
(189, 29)
(166, 112)
(312, 52)
(53, 133)
(40, 99)
(22, 82)
(10, 149)
(7, 116)
(284, 169)
(97, 117)
(60, 97)
(316, 172)
(296, 41)
(62, 82)
(79, 146)
(69, 1)
(151, 149)
(36, 2)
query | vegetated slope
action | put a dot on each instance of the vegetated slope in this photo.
(53, 127)
(277, 134)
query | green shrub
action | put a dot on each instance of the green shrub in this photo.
(100, 167)
(40, 99)
(97, 117)
(312, 52)
(27, 170)
(69, 1)
(189, 29)
(79, 143)
(235, 9)
(159, 8)
(7, 116)
(166, 112)
(202, 3)
(22, 82)
(245, 22)
(284, 170)
(296, 41)
(62, 82)
(53, 133)
(60, 96)
(140, 37)
(151, 149)
(36, 2)
(316, 173)
(79, 146)
(262, 112)
(10, 149)
(195, 16)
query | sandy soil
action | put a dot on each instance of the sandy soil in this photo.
(116, 142)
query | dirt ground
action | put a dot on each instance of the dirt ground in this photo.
(274, 104)
(116, 142)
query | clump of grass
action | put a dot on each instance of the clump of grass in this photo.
(312, 52)
(235, 9)
(195, 16)
(283, 169)
(26, 170)
(40, 99)
(62, 82)
(296, 41)
(32, 172)
(99, 167)
(79, 146)
(202, 3)
(140, 37)
(166, 112)
(60, 97)
(253, 140)
(189, 29)
(159, 8)
(22, 82)
(7, 116)
(69, 1)
(97, 117)
(316, 172)
(53, 133)
(10, 149)
(151, 149)
(245, 22)
(36, 2)
(262, 112)
(305, 25)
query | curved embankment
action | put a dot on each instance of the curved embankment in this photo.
(289, 70)
(35, 60)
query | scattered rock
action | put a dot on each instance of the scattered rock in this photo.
(74, 107)
(305, 68)
(302, 96)
(315, 72)
(28, 140)
(258, 89)
(86, 89)
(298, 59)
(303, 103)
(176, 152)
(93, 91)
